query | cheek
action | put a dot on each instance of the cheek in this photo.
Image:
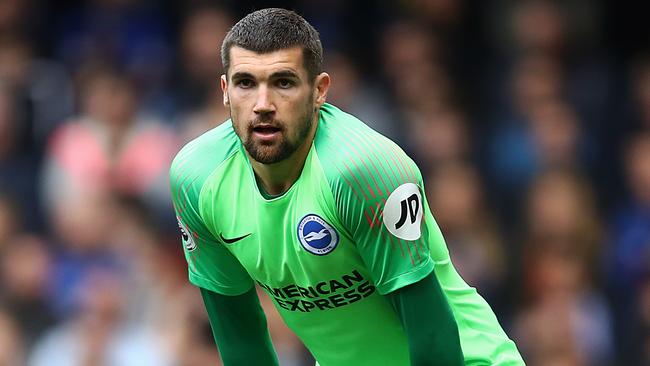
(237, 115)
(240, 97)
(239, 107)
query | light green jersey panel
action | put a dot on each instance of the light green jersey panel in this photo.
(210, 265)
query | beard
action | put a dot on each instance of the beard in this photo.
(270, 152)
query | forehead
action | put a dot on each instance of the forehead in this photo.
(243, 60)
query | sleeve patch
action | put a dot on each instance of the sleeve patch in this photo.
(403, 212)
(188, 240)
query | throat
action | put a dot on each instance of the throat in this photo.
(268, 195)
(273, 180)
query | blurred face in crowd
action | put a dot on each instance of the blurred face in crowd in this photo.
(455, 194)
(536, 79)
(110, 99)
(440, 135)
(84, 222)
(553, 206)
(202, 30)
(25, 267)
(539, 25)
(556, 133)
(273, 103)
(560, 206)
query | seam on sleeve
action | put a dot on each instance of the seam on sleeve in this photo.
(208, 284)
(407, 278)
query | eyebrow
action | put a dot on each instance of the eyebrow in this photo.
(276, 75)
(285, 74)
(242, 75)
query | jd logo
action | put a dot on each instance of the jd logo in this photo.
(403, 212)
(410, 208)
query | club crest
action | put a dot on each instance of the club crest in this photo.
(316, 235)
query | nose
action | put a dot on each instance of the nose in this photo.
(263, 103)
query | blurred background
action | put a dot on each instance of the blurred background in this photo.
(530, 121)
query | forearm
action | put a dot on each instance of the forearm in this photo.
(429, 323)
(239, 328)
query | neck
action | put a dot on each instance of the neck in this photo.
(277, 178)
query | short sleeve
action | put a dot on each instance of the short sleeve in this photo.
(210, 264)
(380, 199)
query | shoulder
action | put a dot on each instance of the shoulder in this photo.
(354, 155)
(201, 156)
(208, 150)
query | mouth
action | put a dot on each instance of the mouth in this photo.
(266, 130)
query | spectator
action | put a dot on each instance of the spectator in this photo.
(352, 93)
(561, 265)
(458, 202)
(82, 230)
(439, 136)
(97, 334)
(560, 212)
(18, 167)
(109, 148)
(631, 230)
(567, 322)
(197, 79)
(512, 158)
(197, 95)
(39, 89)
(628, 256)
(26, 272)
(122, 34)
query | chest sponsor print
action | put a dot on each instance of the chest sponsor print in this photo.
(324, 295)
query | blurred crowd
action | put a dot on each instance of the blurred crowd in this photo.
(530, 121)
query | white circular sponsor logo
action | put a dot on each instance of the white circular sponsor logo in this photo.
(188, 240)
(403, 212)
(316, 235)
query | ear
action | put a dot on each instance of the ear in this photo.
(224, 89)
(322, 85)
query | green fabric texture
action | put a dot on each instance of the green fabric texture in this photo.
(239, 328)
(432, 335)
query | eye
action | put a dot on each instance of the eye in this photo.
(245, 83)
(285, 83)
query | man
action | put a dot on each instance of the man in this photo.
(323, 213)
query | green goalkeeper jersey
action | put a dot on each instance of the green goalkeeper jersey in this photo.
(354, 226)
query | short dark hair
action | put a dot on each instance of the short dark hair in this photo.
(273, 29)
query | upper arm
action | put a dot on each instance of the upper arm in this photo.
(210, 264)
(380, 199)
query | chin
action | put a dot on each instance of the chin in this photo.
(266, 154)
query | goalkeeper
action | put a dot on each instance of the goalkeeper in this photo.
(326, 215)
